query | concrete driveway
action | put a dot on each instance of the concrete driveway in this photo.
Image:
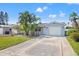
(41, 46)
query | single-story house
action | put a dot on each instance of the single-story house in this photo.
(52, 29)
(49, 29)
(7, 30)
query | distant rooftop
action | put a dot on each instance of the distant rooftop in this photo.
(52, 23)
(10, 25)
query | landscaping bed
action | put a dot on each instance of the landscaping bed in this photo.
(7, 41)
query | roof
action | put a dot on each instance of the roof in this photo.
(40, 25)
(52, 24)
(8, 26)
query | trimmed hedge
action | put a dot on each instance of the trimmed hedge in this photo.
(75, 36)
(70, 31)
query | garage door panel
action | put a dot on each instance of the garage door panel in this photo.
(55, 31)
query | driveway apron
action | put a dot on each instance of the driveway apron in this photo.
(41, 46)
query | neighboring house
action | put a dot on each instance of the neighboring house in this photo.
(52, 29)
(7, 30)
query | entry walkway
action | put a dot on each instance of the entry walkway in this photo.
(41, 46)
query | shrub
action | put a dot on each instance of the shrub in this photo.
(70, 31)
(75, 36)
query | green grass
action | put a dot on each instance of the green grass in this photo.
(7, 41)
(74, 44)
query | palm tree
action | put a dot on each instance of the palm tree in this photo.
(23, 20)
(6, 17)
(28, 21)
(73, 18)
(2, 18)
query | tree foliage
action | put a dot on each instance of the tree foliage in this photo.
(3, 18)
(6, 17)
(28, 21)
(73, 18)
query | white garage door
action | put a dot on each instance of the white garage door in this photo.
(55, 31)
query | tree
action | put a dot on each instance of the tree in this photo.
(6, 17)
(23, 20)
(33, 23)
(73, 18)
(3, 18)
(28, 21)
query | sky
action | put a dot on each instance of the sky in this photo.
(48, 12)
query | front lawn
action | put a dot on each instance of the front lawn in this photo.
(7, 41)
(74, 44)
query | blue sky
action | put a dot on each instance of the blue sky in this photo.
(48, 12)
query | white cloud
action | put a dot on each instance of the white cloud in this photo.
(39, 10)
(52, 16)
(62, 14)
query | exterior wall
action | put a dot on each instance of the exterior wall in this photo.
(45, 31)
(1, 31)
(6, 29)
